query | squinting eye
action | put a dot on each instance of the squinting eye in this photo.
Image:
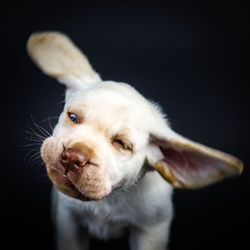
(73, 117)
(119, 144)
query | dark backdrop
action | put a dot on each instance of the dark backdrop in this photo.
(191, 58)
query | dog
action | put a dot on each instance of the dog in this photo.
(113, 158)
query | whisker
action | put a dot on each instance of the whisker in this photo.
(36, 156)
(49, 118)
(27, 157)
(31, 145)
(35, 135)
(46, 133)
(38, 141)
(33, 132)
(63, 100)
(40, 128)
(51, 128)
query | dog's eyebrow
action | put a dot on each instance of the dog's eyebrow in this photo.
(80, 109)
(77, 106)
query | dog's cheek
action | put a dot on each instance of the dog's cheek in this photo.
(56, 129)
(129, 169)
(91, 183)
(50, 150)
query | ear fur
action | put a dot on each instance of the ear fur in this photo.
(57, 56)
(187, 164)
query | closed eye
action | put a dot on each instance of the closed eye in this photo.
(121, 145)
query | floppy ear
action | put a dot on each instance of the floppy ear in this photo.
(186, 164)
(57, 56)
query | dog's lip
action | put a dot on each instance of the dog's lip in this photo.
(63, 174)
(57, 170)
(81, 196)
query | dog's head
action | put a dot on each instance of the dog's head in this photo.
(108, 134)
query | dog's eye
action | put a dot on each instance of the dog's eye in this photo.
(119, 144)
(73, 117)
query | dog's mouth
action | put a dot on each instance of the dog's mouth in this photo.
(62, 182)
(74, 185)
(74, 171)
(77, 193)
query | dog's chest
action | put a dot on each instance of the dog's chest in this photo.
(104, 221)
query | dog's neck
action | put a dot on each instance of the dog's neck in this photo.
(123, 187)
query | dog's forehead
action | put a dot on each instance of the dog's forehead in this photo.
(110, 97)
(110, 103)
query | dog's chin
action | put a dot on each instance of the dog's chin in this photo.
(63, 183)
(78, 195)
(74, 193)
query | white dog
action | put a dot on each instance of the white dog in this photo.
(112, 158)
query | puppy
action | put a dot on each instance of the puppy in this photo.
(113, 159)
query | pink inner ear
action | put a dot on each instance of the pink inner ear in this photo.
(191, 166)
(188, 163)
(174, 158)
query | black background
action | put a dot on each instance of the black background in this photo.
(190, 57)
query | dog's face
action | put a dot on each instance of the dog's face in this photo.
(100, 141)
(108, 131)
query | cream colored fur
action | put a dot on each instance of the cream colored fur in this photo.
(123, 188)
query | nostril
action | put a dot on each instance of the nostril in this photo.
(65, 159)
(72, 160)
(64, 156)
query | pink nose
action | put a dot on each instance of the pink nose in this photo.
(72, 160)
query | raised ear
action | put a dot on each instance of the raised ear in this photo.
(57, 56)
(186, 164)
